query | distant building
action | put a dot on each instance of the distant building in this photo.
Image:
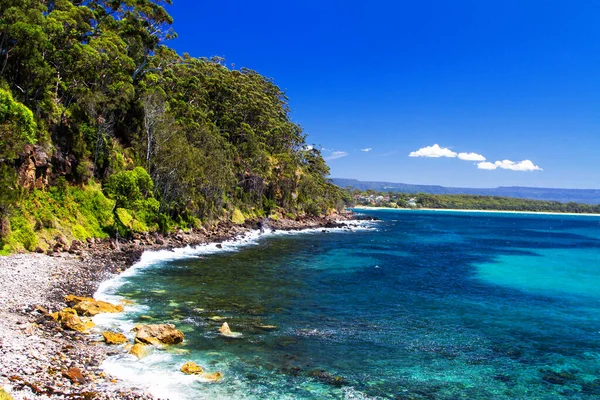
(412, 202)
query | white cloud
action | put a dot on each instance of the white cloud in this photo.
(525, 165)
(433, 151)
(366, 150)
(471, 157)
(336, 154)
(486, 165)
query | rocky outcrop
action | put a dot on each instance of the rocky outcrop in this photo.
(34, 167)
(158, 334)
(89, 307)
(69, 319)
(114, 338)
(191, 368)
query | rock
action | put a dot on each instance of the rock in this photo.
(39, 250)
(90, 307)
(226, 331)
(212, 377)
(75, 375)
(69, 319)
(158, 334)
(191, 368)
(114, 338)
(139, 350)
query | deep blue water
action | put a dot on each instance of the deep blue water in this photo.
(423, 305)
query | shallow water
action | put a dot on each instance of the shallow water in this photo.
(424, 305)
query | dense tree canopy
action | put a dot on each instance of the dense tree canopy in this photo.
(95, 86)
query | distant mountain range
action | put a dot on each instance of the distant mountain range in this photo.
(587, 196)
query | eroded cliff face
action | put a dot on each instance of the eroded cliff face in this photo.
(37, 167)
(34, 167)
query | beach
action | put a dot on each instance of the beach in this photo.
(38, 356)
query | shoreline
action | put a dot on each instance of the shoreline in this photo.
(362, 208)
(37, 354)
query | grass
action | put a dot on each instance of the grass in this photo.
(66, 211)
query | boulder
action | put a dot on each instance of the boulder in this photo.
(226, 331)
(139, 350)
(114, 338)
(158, 334)
(75, 375)
(191, 368)
(90, 307)
(69, 319)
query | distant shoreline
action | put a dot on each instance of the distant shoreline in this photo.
(473, 211)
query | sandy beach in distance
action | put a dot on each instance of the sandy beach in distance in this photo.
(472, 211)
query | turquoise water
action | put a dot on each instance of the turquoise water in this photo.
(419, 305)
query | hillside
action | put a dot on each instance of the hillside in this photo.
(586, 196)
(105, 131)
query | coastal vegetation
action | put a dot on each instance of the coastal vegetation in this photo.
(465, 202)
(105, 131)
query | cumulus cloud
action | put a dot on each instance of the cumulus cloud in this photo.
(486, 165)
(336, 154)
(525, 165)
(366, 150)
(433, 151)
(471, 157)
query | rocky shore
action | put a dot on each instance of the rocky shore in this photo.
(42, 360)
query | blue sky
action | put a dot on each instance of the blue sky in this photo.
(506, 80)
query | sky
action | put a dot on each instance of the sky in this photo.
(454, 93)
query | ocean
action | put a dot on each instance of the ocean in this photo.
(417, 305)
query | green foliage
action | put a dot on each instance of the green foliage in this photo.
(470, 202)
(17, 126)
(237, 217)
(96, 79)
(22, 234)
(129, 188)
(71, 212)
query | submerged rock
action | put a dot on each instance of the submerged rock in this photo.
(114, 338)
(267, 327)
(191, 368)
(158, 334)
(90, 307)
(212, 377)
(328, 378)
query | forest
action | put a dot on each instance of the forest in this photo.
(105, 130)
(465, 202)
